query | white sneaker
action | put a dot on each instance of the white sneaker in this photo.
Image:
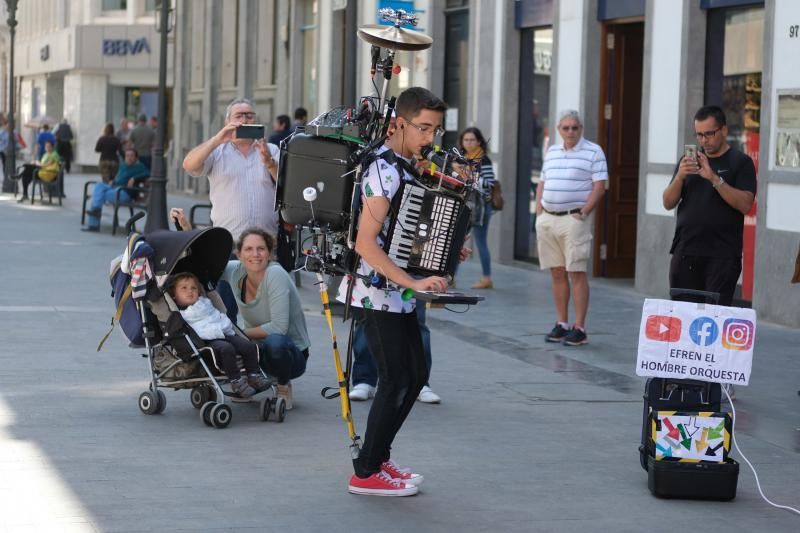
(426, 395)
(362, 392)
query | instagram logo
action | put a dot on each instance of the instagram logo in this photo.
(737, 334)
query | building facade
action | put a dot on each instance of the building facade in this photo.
(91, 62)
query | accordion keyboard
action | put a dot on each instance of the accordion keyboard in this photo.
(427, 231)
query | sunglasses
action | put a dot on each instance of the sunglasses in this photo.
(570, 128)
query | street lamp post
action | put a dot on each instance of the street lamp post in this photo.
(157, 203)
(11, 150)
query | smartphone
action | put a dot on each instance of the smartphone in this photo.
(250, 131)
(690, 152)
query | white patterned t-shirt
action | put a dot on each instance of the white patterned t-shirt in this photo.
(380, 179)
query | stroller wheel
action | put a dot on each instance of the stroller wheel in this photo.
(205, 413)
(162, 402)
(265, 408)
(201, 395)
(221, 416)
(148, 403)
(280, 409)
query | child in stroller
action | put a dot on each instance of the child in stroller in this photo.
(215, 327)
(178, 358)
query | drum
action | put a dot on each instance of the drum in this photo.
(321, 163)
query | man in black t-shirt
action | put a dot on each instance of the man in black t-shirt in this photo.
(713, 193)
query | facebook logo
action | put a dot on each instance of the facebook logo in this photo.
(704, 331)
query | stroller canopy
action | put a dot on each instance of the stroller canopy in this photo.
(204, 252)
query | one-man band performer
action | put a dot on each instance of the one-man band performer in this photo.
(389, 321)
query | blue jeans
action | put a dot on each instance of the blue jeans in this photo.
(281, 358)
(364, 368)
(101, 194)
(479, 234)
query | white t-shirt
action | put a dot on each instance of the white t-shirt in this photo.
(380, 179)
(568, 175)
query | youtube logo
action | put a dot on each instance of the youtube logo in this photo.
(663, 328)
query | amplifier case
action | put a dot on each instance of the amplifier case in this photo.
(694, 481)
(312, 161)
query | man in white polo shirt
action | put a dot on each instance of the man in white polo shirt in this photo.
(572, 182)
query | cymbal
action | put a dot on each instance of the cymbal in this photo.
(394, 38)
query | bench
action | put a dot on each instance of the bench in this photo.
(139, 204)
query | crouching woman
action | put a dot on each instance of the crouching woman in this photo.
(270, 308)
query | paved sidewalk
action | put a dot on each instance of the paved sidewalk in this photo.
(529, 437)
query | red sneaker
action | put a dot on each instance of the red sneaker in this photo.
(381, 484)
(403, 474)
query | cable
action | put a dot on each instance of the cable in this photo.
(746, 460)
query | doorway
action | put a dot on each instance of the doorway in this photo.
(455, 68)
(620, 137)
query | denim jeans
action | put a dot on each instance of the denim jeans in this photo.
(281, 358)
(479, 234)
(101, 194)
(364, 367)
(395, 342)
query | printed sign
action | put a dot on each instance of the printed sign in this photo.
(686, 340)
(691, 436)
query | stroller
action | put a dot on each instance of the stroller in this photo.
(178, 358)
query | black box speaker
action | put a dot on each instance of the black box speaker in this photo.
(312, 161)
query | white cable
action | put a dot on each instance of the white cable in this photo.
(746, 460)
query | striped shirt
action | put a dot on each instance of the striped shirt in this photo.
(568, 175)
(242, 189)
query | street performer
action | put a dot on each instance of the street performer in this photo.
(389, 321)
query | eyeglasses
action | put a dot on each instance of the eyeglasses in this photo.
(706, 134)
(570, 128)
(245, 114)
(437, 132)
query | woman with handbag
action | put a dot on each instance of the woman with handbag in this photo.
(472, 144)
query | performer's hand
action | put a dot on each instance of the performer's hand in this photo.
(464, 254)
(177, 214)
(431, 283)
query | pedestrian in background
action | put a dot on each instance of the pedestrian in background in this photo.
(108, 146)
(300, 118)
(142, 137)
(574, 175)
(281, 128)
(45, 136)
(472, 144)
(713, 192)
(64, 139)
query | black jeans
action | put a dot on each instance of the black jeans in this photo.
(714, 274)
(226, 350)
(396, 344)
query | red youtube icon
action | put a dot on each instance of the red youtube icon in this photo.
(663, 328)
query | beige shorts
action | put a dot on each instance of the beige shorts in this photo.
(563, 241)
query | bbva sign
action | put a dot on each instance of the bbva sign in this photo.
(123, 47)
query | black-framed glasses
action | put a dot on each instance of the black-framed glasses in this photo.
(438, 131)
(706, 134)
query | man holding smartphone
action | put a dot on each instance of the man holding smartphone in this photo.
(713, 192)
(241, 171)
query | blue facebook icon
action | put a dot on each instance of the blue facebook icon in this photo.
(704, 331)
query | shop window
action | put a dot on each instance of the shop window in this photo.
(115, 5)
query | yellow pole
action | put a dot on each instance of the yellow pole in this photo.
(342, 382)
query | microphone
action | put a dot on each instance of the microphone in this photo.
(441, 160)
